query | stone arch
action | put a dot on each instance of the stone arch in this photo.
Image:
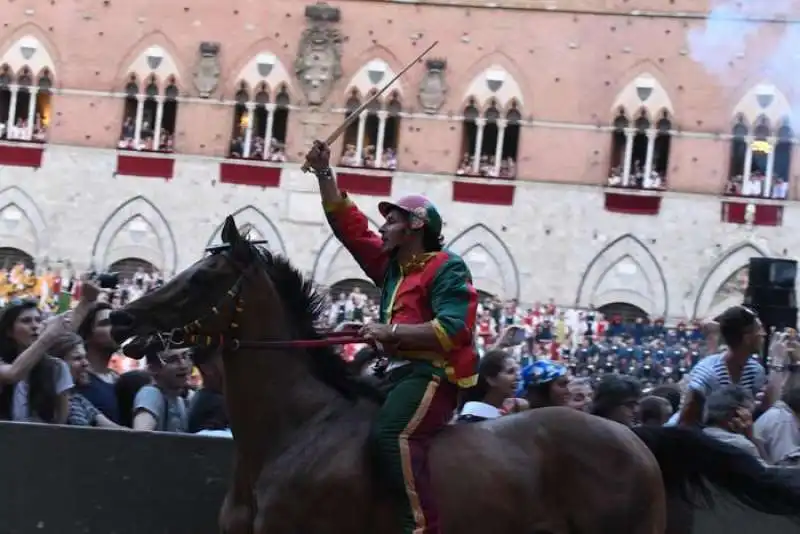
(372, 76)
(260, 227)
(479, 67)
(643, 92)
(488, 257)
(28, 51)
(763, 100)
(261, 65)
(726, 265)
(333, 263)
(136, 229)
(22, 225)
(153, 45)
(44, 55)
(624, 271)
(496, 84)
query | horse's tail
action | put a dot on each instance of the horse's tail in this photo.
(692, 463)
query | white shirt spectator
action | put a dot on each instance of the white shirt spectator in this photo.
(779, 431)
(20, 410)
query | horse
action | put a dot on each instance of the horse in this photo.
(301, 419)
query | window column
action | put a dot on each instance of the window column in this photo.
(137, 132)
(767, 186)
(362, 123)
(382, 116)
(248, 130)
(159, 120)
(32, 91)
(648, 161)
(12, 108)
(268, 130)
(498, 151)
(748, 160)
(626, 172)
(480, 123)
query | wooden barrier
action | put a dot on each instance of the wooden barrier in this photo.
(69, 480)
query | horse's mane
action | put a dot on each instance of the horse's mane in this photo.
(306, 305)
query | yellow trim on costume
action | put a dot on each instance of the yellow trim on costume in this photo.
(390, 308)
(441, 335)
(466, 382)
(333, 207)
(405, 454)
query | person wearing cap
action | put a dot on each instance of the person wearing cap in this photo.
(743, 333)
(427, 319)
(544, 383)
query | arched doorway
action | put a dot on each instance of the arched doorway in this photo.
(628, 312)
(9, 257)
(128, 267)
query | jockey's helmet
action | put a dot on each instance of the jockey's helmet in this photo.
(419, 208)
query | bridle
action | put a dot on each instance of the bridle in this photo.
(190, 334)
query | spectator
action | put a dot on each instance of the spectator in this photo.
(580, 394)
(729, 418)
(544, 383)
(95, 329)
(33, 386)
(126, 388)
(161, 406)
(69, 348)
(498, 379)
(617, 398)
(778, 429)
(654, 411)
(208, 414)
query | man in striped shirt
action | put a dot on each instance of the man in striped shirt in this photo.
(743, 333)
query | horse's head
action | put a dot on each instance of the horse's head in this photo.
(198, 305)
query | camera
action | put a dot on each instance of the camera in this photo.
(106, 280)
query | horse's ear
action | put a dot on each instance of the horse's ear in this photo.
(230, 234)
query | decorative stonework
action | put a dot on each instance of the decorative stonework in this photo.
(250, 218)
(373, 76)
(494, 83)
(207, 71)
(22, 225)
(489, 259)
(136, 229)
(318, 64)
(266, 68)
(154, 61)
(763, 100)
(624, 271)
(334, 264)
(433, 87)
(714, 292)
(644, 92)
(29, 52)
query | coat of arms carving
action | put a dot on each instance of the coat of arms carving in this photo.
(207, 72)
(433, 88)
(318, 64)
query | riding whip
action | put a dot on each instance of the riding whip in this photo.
(351, 118)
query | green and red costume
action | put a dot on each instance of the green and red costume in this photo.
(433, 288)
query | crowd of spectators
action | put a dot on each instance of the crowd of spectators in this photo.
(21, 130)
(368, 159)
(66, 369)
(275, 151)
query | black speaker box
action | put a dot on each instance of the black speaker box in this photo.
(772, 272)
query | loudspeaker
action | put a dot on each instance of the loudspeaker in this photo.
(771, 291)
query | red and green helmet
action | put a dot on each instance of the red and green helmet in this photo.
(421, 210)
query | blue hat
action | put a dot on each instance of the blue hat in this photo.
(538, 373)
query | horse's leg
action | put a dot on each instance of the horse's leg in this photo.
(236, 515)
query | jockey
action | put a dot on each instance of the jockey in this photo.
(427, 319)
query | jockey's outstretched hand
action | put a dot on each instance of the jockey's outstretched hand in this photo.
(319, 157)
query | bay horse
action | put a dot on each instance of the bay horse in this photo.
(300, 421)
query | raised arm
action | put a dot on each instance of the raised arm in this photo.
(348, 223)
(11, 373)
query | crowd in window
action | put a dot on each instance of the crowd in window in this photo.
(260, 124)
(760, 160)
(24, 105)
(149, 116)
(640, 152)
(490, 141)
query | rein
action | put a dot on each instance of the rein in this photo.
(191, 333)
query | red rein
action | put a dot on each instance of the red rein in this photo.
(328, 339)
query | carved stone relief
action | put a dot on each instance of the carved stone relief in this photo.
(433, 88)
(318, 64)
(207, 72)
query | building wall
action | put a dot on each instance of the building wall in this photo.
(568, 68)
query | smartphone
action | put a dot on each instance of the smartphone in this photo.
(518, 336)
